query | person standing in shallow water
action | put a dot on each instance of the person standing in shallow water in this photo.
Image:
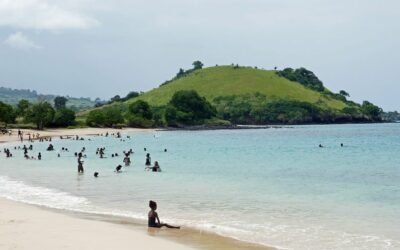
(154, 220)
(80, 163)
(148, 159)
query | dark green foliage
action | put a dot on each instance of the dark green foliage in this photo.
(96, 118)
(304, 77)
(197, 65)
(41, 114)
(171, 116)
(287, 112)
(141, 108)
(140, 115)
(371, 111)
(257, 109)
(116, 98)
(344, 93)
(60, 102)
(130, 95)
(190, 108)
(22, 107)
(139, 122)
(107, 117)
(7, 113)
(64, 117)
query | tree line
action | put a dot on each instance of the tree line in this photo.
(41, 114)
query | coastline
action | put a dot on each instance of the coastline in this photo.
(67, 132)
(72, 230)
(27, 227)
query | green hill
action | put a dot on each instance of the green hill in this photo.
(227, 80)
(237, 95)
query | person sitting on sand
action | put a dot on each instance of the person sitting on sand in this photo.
(154, 221)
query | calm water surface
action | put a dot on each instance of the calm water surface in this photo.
(271, 186)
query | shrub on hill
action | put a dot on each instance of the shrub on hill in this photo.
(303, 76)
(187, 107)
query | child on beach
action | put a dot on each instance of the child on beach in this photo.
(154, 221)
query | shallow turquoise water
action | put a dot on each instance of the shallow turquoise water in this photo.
(271, 186)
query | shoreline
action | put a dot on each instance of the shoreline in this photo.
(23, 226)
(186, 238)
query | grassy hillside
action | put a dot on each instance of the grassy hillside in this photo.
(226, 80)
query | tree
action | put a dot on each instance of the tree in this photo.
(180, 73)
(191, 108)
(7, 113)
(141, 108)
(41, 114)
(140, 115)
(116, 98)
(131, 95)
(113, 116)
(344, 93)
(197, 65)
(372, 111)
(64, 117)
(60, 102)
(22, 107)
(96, 118)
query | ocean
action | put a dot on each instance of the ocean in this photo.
(274, 187)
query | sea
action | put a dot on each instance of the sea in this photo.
(275, 187)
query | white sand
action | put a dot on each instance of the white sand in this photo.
(67, 132)
(29, 227)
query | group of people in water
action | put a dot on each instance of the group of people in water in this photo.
(153, 219)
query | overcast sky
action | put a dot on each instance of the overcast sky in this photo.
(100, 48)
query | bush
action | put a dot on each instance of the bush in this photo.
(64, 117)
(191, 109)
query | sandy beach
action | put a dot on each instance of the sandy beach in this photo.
(28, 227)
(67, 132)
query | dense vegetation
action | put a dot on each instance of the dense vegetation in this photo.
(13, 96)
(40, 114)
(186, 107)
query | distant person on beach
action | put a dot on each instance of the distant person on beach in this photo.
(154, 220)
(39, 156)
